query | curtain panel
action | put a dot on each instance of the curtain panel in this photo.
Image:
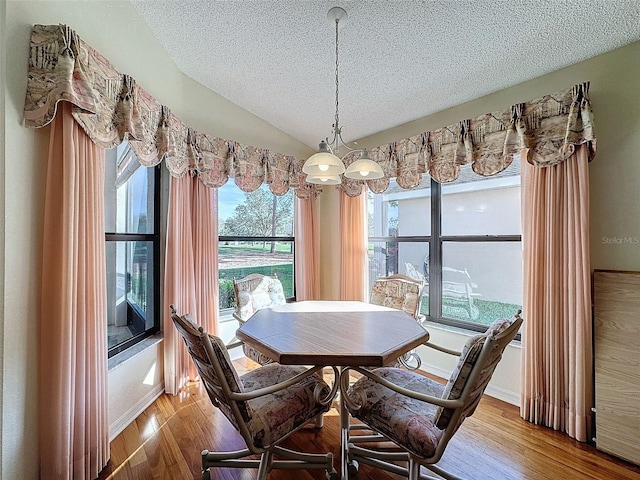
(557, 355)
(191, 272)
(353, 247)
(110, 107)
(307, 249)
(74, 430)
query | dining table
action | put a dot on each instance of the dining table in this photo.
(333, 333)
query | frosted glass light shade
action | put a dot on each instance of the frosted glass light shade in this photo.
(364, 169)
(324, 179)
(323, 163)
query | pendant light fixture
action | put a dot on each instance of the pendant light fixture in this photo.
(325, 167)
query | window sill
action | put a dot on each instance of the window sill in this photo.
(226, 317)
(131, 352)
(460, 331)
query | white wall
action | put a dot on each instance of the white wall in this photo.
(116, 31)
(133, 386)
(614, 174)
(505, 383)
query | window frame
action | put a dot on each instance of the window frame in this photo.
(145, 237)
(436, 242)
(226, 313)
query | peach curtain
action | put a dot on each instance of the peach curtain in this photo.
(191, 271)
(353, 247)
(74, 431)
(307, 250)
(557, 333)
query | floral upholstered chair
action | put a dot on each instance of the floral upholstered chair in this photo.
(418, 414)
(398, 291)
(265, 405)
(253, 293)
(402, 293)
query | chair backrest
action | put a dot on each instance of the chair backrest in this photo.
(471, 376)
(255, 292)
(214, 367)
(398, 291)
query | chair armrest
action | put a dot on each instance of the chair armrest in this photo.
(442, 349)
(241, 397)
(241, 320)
(442, 402)
(235, 344)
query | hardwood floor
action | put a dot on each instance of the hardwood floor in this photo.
(495, 443)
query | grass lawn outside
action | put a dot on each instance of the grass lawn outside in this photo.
(284, 272)
(485, 311)
(257, 247)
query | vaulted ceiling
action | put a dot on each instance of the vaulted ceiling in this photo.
(399, 60)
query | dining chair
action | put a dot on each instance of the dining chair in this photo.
(265, 405)
(417, 414)
(402, 293)
(254, 292)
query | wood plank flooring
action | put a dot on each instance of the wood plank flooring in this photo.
(166, 440)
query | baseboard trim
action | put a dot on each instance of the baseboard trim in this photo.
(495, 392)
(134, 411)
(504, 395)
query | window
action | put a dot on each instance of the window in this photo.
(256, 236)
(132, 196)
(463, 239)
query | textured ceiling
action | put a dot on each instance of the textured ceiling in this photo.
(399, 60)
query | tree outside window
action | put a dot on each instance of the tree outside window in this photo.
(256, 236)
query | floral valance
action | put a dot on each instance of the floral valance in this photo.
(545, 131)
(111, 107)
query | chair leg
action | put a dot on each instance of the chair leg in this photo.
(414, 469)
(287, 459)
(265, 465)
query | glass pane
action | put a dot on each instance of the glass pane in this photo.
(400, 212)
(239, 259)
(255, 214)
(475, 205)
(129, 189)
(130, 284)
(481, 281)
(407, 258)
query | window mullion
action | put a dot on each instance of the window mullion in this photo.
(435, 253)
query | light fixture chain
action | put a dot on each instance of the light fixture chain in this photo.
(326, 167)
(336, 127)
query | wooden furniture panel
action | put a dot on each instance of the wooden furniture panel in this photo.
(616, 298)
